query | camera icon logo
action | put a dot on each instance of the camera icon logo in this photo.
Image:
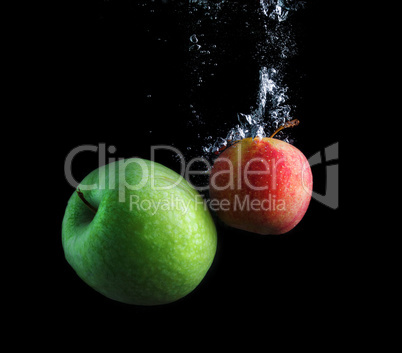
(331, 196)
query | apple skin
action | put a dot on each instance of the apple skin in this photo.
(134, 256)
(261, 185)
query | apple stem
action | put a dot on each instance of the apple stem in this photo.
(290, 123)
(81, 195)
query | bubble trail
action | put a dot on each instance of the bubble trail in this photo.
(272, 110)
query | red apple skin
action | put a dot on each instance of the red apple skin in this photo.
(261, 185)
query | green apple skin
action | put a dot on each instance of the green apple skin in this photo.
(139, 256)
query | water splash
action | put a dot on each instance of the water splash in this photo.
(271, 102)
(277, 46)
(272, 108)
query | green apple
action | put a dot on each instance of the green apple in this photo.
(138, 233)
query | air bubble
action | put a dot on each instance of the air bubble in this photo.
(193, 39)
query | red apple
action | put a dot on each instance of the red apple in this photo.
(261, 185)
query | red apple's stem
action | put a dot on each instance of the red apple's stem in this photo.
(81, 195)
(290, 123)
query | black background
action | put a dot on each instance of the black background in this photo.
(121, 77)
